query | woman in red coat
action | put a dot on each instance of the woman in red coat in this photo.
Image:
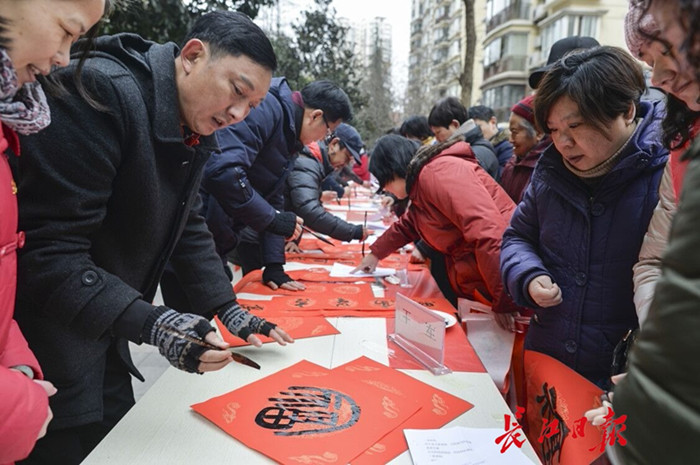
(456, 207)
(35, 36)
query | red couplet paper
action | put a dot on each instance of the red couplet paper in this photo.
(438, 407)
(557, 398)
(296, 326)
(306, 412)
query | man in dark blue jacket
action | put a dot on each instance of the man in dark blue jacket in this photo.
(243, 186)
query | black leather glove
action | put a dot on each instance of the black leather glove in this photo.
(275, 272)
(283, 224)
(181, 353)
(242, 323)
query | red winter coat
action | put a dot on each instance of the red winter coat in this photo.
(459, 210)
(23, 403)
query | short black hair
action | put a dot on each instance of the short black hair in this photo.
(235, 34)
(481, 112)
(602, 81)
(390, 158)
(445, 110)
(327, 96)
(416, 127)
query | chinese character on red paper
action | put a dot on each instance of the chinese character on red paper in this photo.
(612, 430)
(548, 429)
(579, 426)
(512, 435)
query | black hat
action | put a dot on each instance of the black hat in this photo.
(351, 139)
(560, 48)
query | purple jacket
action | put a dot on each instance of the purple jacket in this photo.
(587, 240)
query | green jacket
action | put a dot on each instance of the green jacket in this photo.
(661, 393)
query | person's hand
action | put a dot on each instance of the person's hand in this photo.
(245, 325)
(365, 233)
(368, 264)
(544, 292)
(366, 184)
(387, 201)
(506, 320)
(274, 277)
(297, 230)
(166, 330)
(292, 247)
(50, 390)
(346, 191)
(329, 196)
(416, 256)
(596, 416)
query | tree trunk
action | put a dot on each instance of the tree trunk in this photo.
(466, 79)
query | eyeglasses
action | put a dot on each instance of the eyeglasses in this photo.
(329, 131)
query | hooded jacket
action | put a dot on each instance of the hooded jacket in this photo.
(503, 147)
(23, 404)
(484, 152)
(587, 242)
(303, 197)
(461, 212)
(244, 184)
(108, 197)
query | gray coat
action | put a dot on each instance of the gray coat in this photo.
(303, 197)
(107, 199)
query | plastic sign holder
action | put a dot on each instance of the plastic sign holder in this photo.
(421, 333)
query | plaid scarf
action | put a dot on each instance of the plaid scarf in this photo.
(23, 109)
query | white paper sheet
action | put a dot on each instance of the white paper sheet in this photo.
(460, 445)
(344, 271)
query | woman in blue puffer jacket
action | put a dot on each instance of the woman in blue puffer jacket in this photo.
(573, 240)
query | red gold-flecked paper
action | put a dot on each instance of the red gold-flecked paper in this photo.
(438, 407)
(306, 413)
(555, 391)
(296, 326)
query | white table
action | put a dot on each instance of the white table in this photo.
(162, 429)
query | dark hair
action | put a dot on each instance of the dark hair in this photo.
(390, 158)
(603, 81)
(445, 110)
(328, 97)
(481, 112)
(677, 122)
(416, 127)
(233, 33)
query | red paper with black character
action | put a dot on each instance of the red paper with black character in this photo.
(557, 398)
(296, 326)
(438, 407)
(306, 413)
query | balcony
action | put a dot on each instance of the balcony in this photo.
(505, 64)
(519, 9)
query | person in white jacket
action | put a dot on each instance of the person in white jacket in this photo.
(680, 126)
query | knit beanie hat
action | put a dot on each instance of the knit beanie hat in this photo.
(524, 108)
(637, 27)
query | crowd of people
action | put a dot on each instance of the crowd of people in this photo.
(146, 165)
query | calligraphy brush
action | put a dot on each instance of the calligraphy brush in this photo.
(240, 358)
(317, 236)
(363, 231)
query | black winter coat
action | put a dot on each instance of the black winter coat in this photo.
(303, 197)
(107, 198)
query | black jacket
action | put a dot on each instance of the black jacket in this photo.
(107, 199)
(303, 197)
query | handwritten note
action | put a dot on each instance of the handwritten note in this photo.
(459, 444)
(345, 271)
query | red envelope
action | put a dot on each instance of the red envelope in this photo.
(438, 407)
(306, 412)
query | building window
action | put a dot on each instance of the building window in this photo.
(567, 26)
(508, 45)
(503, 97)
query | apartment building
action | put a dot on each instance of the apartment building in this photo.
(513, 37)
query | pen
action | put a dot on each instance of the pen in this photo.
(317, 236)
(363, 232)
(236, 356)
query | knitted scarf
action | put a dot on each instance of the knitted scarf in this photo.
(23, 109)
